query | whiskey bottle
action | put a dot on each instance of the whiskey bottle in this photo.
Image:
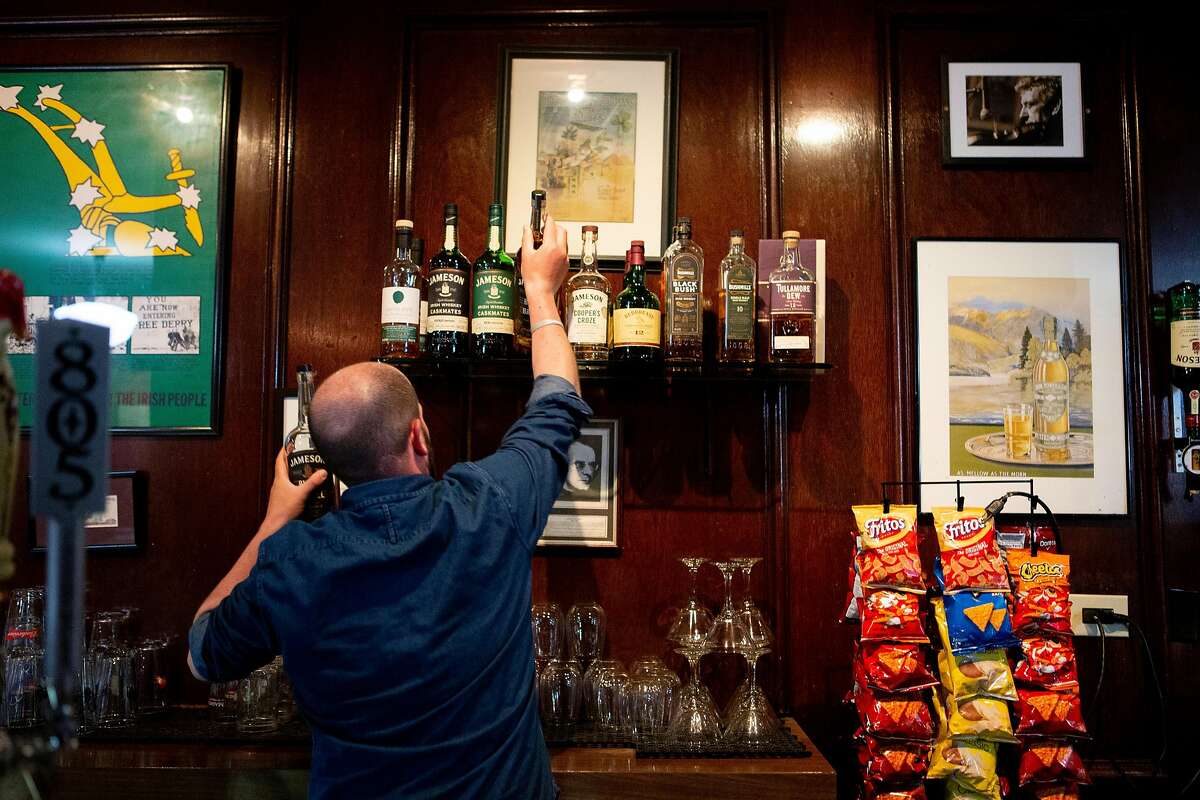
(587, 299)
(1051, 397)
(449, 294)
(1185, 374)
(417, 253)
(793, 307)
(537, 215)
(400, 315)
(735, 304)
(637, 321)
(492, 315)
(302, 456)
(683, 290)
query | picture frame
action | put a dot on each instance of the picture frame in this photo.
(140, 223)
(994, 400)
(121, 527)
(597, 130)
(586, 513)
(1013, 113)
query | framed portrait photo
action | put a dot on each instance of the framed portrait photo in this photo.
(1021, 371)
(120, 527)
(1007, 112)
(596, 130)
(585, 514)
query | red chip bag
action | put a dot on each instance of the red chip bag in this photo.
(1046, 713)
(971, 560)
(891, 616)
(1056, 792)
(888, 557)
(895, 666)
(1051, 762)
(1049, 663)
(905, 717)
(885, 793)
(893, 763)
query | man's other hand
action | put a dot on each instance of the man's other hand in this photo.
(543, 269)
(287, 499)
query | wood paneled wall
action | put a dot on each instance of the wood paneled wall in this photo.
(355, 113)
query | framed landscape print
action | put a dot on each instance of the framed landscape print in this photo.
(585, 514)
(1021, 370)
(596, 131)
(112, 191)
(1007, 112)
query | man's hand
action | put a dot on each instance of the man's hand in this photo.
(543, 269)
(287, 499)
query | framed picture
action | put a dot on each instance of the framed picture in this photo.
(121, 526)
(1005, 112)
(585, 514)
(1021, 370)
(113, 191)
(596, 131)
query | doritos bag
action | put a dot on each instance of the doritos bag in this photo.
(1043, 591)
(903, 717)
(974, 622)
(895, 666)
(982, 674)
(888, 557)
(1051, 762)
(893, 763)
(1017, 538)
(1049, 663)
(891, 616)
(1046, 713)
(970, 558)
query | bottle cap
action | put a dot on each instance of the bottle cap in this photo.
(538, 196)
(450, 208)
(404, 223)
(683, 221)
(637, 244)
(495, 214)
(736, 233)
(791, 234)
(304, 368)
(591, 229)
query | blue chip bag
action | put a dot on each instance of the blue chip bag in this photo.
(977, 621)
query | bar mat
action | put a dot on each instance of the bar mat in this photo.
(782, 745)
(193, 725)
(584, 735)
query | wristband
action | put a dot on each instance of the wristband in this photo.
(544, 323)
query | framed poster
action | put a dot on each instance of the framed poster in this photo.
(112, 191)
(1008, 112)
(1021, 370)
(585, 514)
(596, 130)
(121, 526)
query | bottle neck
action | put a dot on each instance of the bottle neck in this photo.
(450, 243)
(304, 394)
(791, 257)
(403, 245)
(736, 248)
(495, 236)
(587, 261)
(535, 223)
(636, 276)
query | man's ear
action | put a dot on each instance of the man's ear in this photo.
(416, 438)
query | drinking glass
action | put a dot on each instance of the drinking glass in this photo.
(693, 622)
(286, 709)
(131, 626)
(1018, 429)
(728, 632)
(559, 692)
(591, 680)
(25, 622)
(24, 689)
(150, 682)
(610, 692)
(108, 674)
(695, 722)
(586, 625)
(648, 703)
(258, 700)
(548, 624)
(223, 702)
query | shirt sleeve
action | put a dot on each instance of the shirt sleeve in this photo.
(531, 463)
(236, 637)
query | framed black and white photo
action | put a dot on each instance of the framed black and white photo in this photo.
(585, 514)
(596, 130)
(120, 527)
(1006, 112)
(1021, 371)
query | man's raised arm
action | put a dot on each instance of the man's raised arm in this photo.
(542, 271)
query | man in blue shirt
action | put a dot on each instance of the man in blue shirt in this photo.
(403, 618)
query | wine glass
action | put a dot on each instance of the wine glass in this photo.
(753, 721)
(728, 632)
(586, 625)
(757, 631)
(547, 620)
(695, 722)
(694, 621)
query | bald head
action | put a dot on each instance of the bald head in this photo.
(362, 420)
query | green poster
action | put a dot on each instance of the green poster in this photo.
(110, 192)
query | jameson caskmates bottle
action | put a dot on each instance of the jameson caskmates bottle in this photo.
(494, 293)
(302, 456)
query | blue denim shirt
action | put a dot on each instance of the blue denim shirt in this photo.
(403, 619)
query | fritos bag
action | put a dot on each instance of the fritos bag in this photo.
(974, 622)
(1049, 663)
(891, 616)
(970, 557)
(894, 666)
(903, 717)
(1043, 591)
(981, 717)
(893, 763)
(1051, 762)
(1045, 713)
(888, 557)
(983, 674)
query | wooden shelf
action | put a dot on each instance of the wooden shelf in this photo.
(519, 369)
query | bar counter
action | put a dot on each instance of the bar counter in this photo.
(181, 769)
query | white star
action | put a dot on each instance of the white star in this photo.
(84, 195)
(48, 93)
(8, 97)
(81, 241)
(163, 239)
(189, 196)
(88, 131)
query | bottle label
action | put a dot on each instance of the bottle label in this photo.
(1185, 343)
(523, 332)
(15, 635)
(683, 296)
(637, 326)
(588, 321)
(448, 301)
(301, 465)
(792, 343)
(424, 317)
(793, 297)
(739, 305)
(400, 313)
(493, 302)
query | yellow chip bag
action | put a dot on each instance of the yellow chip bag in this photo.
(957, 791)
(985, 674)
(969, 762)
(982, 717)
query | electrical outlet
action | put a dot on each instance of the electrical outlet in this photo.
(1119, 603)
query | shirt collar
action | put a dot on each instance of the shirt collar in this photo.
(384, 489)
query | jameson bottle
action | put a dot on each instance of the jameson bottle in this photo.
(683, 290)
(400, 315)
(735, 304)
(1051, 397)
(449, 294)
(637, 324)
(302, 456)
(793, 307)
(418, 258)
(493, 294)
(537, 217)
(588, 296)
(1185, 373)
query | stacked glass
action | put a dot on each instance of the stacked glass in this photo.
(24, 665)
